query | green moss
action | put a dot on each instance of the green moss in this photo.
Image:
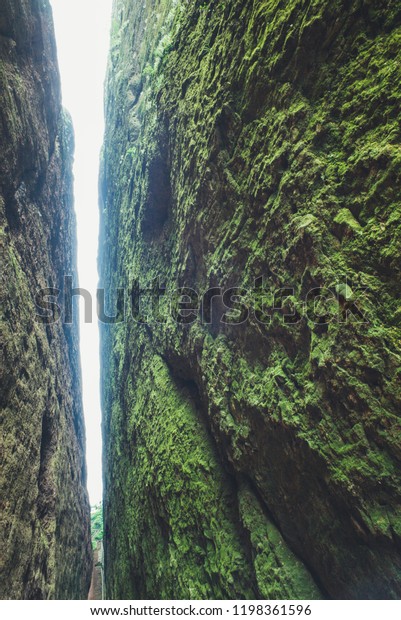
(266, 143)
(279, 573)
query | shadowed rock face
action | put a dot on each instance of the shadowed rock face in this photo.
(250, 139)
(45, 549)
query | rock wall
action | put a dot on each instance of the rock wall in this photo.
(45, 549)
(259, 455)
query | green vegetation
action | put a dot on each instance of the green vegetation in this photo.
(96, 524)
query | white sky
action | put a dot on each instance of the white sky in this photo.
(82, 34)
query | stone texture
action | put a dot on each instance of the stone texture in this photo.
(250, 139)
(45, 549)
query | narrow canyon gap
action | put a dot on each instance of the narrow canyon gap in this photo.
(45, 548)
(83, 60)
(249, 139)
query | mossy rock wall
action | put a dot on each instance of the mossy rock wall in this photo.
(45, 549)
(250, 139)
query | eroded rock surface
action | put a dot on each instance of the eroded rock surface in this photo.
(45, 549)
(250, 139)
